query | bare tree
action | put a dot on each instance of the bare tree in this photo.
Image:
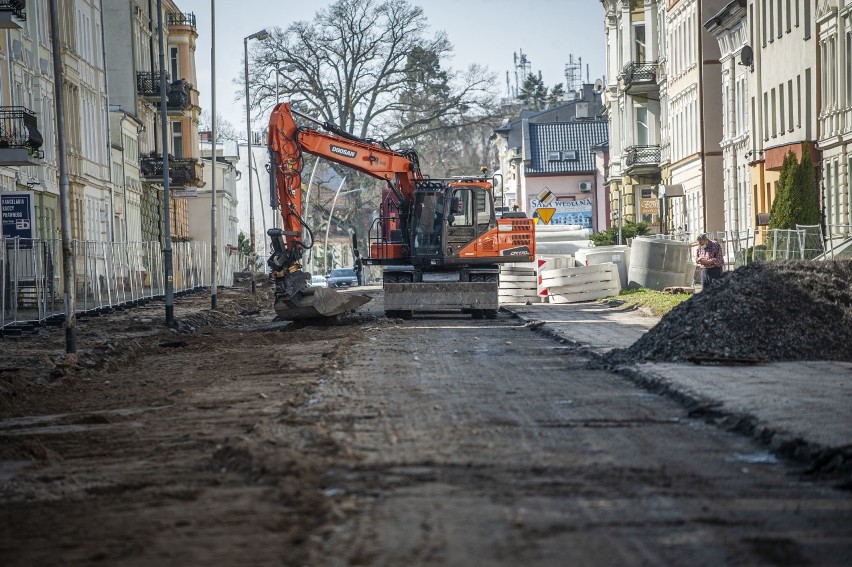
(357, 64)
(224, 129)
(372, 68)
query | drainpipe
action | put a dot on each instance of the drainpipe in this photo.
(109, 142)
(124, 178)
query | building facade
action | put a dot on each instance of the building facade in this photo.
(27, 114)
(783, 93)
(135, 92)
(730, 28)
(632, 31)
(693, 131)
(834, 32)
(516, 145)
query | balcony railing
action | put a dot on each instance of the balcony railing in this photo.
(16, 7)
(182, 172)
(151, 166)
(179, 96)
(638, 75)
(181, 19)
(642, 156)
(19, 129)
(148, 83)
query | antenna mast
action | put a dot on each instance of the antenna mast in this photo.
(573, 74)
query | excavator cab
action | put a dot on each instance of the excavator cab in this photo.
(446, 218)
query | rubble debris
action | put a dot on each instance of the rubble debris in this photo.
(778, 311)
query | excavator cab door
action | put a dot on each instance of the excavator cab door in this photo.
(427, 224)
(473, 216)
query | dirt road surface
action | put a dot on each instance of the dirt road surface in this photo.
(236, 440)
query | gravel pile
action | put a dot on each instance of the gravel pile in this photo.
(759, 312)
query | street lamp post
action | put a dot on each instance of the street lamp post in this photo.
(214, 256)
(261, 35)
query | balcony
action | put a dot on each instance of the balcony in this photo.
(12, 12)
(185, 172)
(182, 172)
(179, 97)
(640, 78)
(642, 160)
(181, 19)
(148, 84)
(20, 140)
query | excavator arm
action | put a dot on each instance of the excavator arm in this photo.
(287, 144)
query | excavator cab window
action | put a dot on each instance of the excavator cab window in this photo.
(485, 219)
(474, 215)
(430, 209)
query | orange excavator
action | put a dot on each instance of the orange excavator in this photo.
(438, 241)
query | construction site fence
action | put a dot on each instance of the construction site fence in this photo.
(105, 275)
(805, 242)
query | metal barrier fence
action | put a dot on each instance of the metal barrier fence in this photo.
(805, 242)
(107, 275)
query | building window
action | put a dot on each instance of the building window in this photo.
(765, 120)
(848, 85)
(780, 19)
(569, 155)
(774, 114)
(837, 191)
(553, 156)
(807, 19)
(173, 62)
(789, 17)
(771, 19)
(790, 104)
(798, 101)
(639, 43)
(781, 115)
(177, 140)
(642, 125)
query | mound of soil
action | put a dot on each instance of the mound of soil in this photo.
(760, 312)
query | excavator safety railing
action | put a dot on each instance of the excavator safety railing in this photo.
(384, 243)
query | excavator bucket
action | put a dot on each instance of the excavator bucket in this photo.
(317, 303)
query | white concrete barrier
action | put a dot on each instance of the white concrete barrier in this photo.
(580, 283)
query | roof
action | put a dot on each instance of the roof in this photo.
(573, 141)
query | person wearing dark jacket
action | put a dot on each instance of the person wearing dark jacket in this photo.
(358, 268)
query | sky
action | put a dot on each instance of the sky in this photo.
(486, 32)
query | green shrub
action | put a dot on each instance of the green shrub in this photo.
(629, 229)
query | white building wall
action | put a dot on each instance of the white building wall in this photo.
(834, 31)
(785, 71)
(264, 216)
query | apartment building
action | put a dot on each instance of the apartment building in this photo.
(692, 168)
(633, 103)
(513, 149)
(134, 96)
(783, 92)
(834, 35)
(28, 160)
(730, 28)
(224, 167)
